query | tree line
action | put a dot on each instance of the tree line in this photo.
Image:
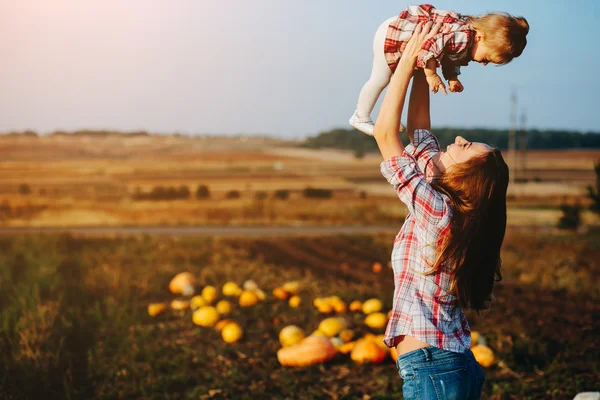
(351, 139)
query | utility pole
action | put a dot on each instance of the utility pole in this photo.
(512, 140)
(523, 145)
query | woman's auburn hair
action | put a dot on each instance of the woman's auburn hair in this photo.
(471, 250)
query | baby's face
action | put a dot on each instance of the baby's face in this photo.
(481, 53)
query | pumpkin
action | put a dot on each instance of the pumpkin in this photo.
(346, 335)
(332, 326)
(155, 309)
(232, 332)
(206, 316)
(376, 320)
(291, 335)
(372, 306)
(183, 283)
(377, 267)
(248, 298)
(346, 347)
(221, 324)
(379, 342)
(367, 351)
(280, 294)
(180, 305)
(394, 353)
(197, 302)
(340, 307)
(318, 301)
(291, 287)
(209, 293)
(295, 301)
(483, 354)
(477, 338)
(261, 295)
(250, 285)
(337, 342)
(231, 289)
(223, 307)
(312, 350)
(325, 308)
(356, 305)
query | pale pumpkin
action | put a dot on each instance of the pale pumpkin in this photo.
(337, 342)
(291, 287)
(291, 335)
(484, 355)
(332, 326)
(250, 285)
(372, 306)
(180, 305)
(312, 350)
(155, 309)
(183, 283)
(248, 298)
(367, 351)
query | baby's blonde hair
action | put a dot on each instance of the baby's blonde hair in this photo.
(503, 33)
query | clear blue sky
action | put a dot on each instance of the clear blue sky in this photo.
(276, 67)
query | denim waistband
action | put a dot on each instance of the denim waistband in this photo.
(431, 354)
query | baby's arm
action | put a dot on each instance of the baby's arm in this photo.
(433, 79)
(451, 72)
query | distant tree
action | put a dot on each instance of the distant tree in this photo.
(202, 192)
(183, 192)
(318, 193)
(359, 153)
(571, 218)
(233, 194)
(24, 188)
(594, 193)
(260, 195)
(281, 194)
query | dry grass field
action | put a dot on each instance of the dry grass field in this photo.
(65, 180)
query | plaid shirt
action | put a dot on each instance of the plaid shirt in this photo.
(450, 50)
(419, 308)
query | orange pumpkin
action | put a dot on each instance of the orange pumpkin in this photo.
(367, 351)
(312, 350)
(183, 283)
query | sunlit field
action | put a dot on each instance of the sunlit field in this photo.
(115, 180)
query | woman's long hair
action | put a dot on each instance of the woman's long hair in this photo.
(477, 190)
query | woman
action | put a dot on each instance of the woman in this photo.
(446, 257)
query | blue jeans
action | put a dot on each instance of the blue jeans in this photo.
(433, 373)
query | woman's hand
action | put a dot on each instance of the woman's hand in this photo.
(423, 32)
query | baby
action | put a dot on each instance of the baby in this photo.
(493, 38)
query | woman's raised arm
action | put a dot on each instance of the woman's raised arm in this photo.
(388, 121)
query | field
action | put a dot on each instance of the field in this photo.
(64, 180)
(74, 320)
(73, 307)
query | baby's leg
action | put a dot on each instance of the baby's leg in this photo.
(380, 74)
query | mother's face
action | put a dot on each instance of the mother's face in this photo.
(462, 150)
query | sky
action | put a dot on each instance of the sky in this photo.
(281, 68)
